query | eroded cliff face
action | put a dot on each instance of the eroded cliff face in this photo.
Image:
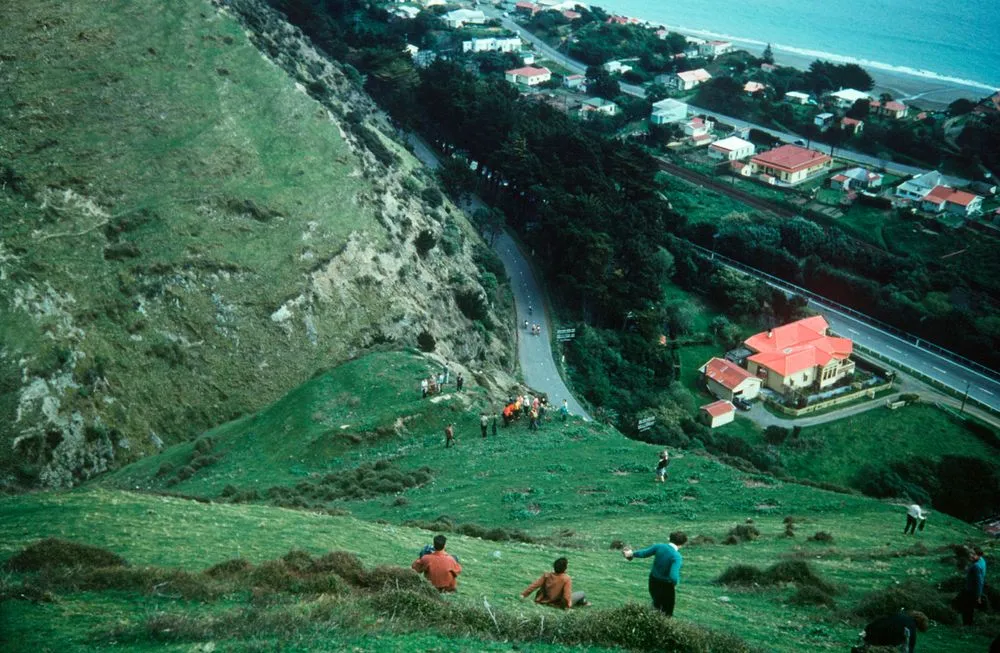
(197, 212)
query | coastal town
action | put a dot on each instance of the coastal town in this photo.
(816, 168)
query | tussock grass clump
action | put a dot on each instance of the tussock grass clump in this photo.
(346, 565)
(912, 595)
(742, 533)
(444, 524)
(389, 576)
(55, 552)
(366, 481)
(809, 595)
(822, 537)
(234, 567)
(786, 571)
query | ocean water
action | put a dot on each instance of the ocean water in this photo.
(957, 41)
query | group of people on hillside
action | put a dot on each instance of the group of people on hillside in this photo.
(434, 383)
(555, 588)
(533, 407)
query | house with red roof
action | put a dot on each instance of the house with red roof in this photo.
(852, 125)
(790, 164)
(725, 379)
(799, 355)
(688, 79)
(947, 199)
(571, 15)
(856, 179)
(718, 413)
(528, 76)
(526, 8)
(891, 109)
(714, 48)
(753, 87)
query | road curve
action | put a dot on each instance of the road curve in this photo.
(534, 352)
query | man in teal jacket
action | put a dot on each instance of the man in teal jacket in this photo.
(665, 574)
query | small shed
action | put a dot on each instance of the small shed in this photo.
(719, 413)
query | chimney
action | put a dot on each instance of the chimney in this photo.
(770, 333)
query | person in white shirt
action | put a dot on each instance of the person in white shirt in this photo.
(914, 516)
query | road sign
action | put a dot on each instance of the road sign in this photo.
(646, 423)
(562, 335)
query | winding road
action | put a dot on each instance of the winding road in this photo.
(534, 352)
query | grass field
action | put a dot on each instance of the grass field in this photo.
(573, 488)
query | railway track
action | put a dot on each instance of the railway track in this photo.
(711, 183)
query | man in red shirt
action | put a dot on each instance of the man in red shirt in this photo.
(439, 567)
(555, 588)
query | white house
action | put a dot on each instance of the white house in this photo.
(725, 379)
(947, 199)
(594, 105)
(714, 48)
(856, 179)
(718, 413)
(797, 98)
(528, 76)
(891, 109)
(699, 130)
(668, 111)
(823, 120)
(512, 44)
(688, 80)
(731, 149)
(407, 13)
(846, 97)
(574, 81)
(616, 67)
(916, 188)
(461, 17)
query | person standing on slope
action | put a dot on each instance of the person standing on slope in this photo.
(665, 574)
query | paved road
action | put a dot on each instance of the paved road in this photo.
(899, 350)
(638, 91)
(534, 352)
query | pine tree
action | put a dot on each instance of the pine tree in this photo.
(768, 55)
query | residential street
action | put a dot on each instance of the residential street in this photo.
(538, 367)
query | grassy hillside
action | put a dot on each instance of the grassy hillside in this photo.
(183, 226)
(569, 489)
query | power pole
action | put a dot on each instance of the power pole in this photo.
(966, 397)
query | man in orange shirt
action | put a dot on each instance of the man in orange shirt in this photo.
(439, 567)
(555, 588)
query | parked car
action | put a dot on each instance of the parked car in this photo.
(742, 404)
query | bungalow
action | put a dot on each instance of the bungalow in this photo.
(718, 413)
(512, 44)
(571, 15)
(411, 50)
(852, 125)
(461, 17)
(714, 48)
(594, 105)
(526, 8)
(527, 57)
(768, 67)
(431, 3)
(725, 379)
(616, 67)
(958, 202)
(796, 97)
(846, 97)
(528, 76)
(698, 126)
(753, 87)
(798, 355)
(406, 13)
(574, 81)
(790, 164)
(823, 121)
(731, 149)
(688, 80)
(856, 179)
(621, 20)
(916, 188)
(891, 109)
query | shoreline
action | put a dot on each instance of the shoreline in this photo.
(928, 90)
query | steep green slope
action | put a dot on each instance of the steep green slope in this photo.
(186, 232)
(570, 488)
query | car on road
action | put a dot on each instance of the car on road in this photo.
(742, 404)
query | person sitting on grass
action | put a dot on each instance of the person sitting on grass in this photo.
(897, 629)
(439, 567)
(555, 588)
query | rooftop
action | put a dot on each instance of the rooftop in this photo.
(731, 144)
(719, 408)
(726, 373)
(699, 75)
(941, 194)
(529, 71)
(791, 158)
(798, 346)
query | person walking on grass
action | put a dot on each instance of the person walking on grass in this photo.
(449, 436)
(895, 630)
(555, 588)
(494, 426)
(661, 467)
(484, 423)
(665, 574)
(564, 410)
(440, 568)
(459, 382)
(914, 517)
(423, 388)
(971, 596)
